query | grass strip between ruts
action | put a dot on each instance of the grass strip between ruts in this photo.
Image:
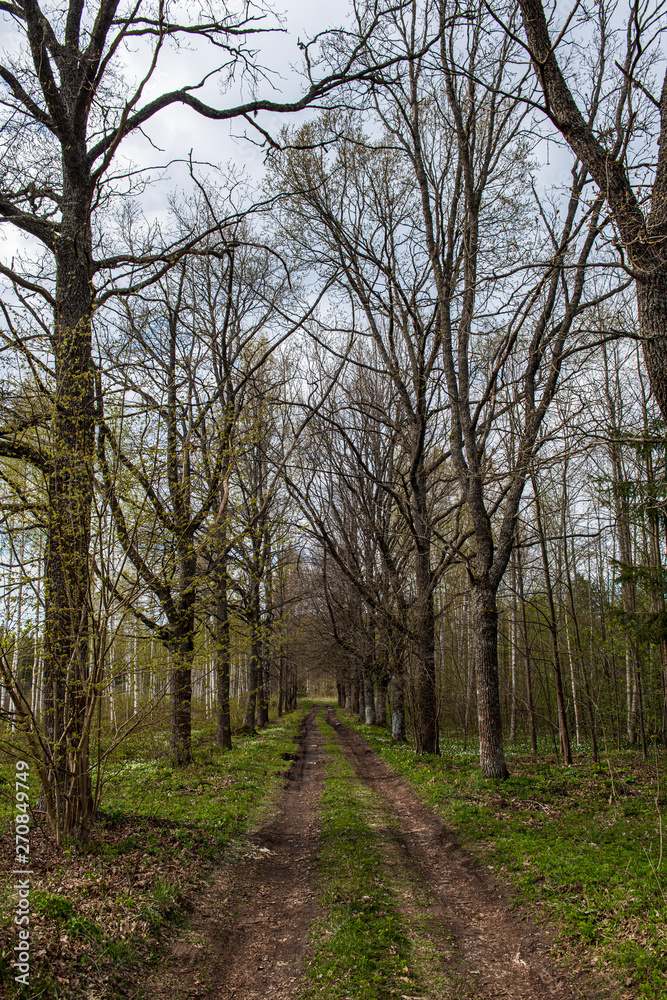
(359, 948)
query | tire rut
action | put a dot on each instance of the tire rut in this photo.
(502, 954)
(248, 936)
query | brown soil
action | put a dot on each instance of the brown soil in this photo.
(248, 936)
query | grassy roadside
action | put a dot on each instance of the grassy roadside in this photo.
(98, 908)
(582, 844)
(365, 947)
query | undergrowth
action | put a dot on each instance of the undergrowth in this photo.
(582, 843)
(99, 906)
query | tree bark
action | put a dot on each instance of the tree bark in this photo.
(381, 701)
(398, 734)
(485, 645)
(356, 692)
(369, 698)
(222, 658)
(181, 701)
(254, 663)
(69, 490)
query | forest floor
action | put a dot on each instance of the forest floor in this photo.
(318, 860)
(355, 889)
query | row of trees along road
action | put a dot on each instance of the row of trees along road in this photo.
(339, 422)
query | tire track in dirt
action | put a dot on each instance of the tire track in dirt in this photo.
(503, 955)
(248, 935)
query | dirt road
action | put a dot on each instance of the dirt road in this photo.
(248, 936)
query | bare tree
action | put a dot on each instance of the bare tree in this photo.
(461, 124)
(67, 111)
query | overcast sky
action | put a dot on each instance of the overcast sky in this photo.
(178, 129)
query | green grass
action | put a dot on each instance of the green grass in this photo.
(359, 948)
(159, 830)
(218, 797)
(582, 843)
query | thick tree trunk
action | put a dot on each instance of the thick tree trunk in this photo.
(485, 643)
(69, 491)
(181, 701)
(251, 697)
(182, 648)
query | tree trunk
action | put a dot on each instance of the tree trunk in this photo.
(251, 697)
(281, 680)
(485, 642)
(182, 647)
(426, 723)
(181, 701)
(575, 699)
(514, 635)
(381, 702)
(69, 498)
(356, 692)
(254, 663)
(263, 691)
(397, 708)
(222, 658)
(262, 712)
(362, 697)
(369, 699)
